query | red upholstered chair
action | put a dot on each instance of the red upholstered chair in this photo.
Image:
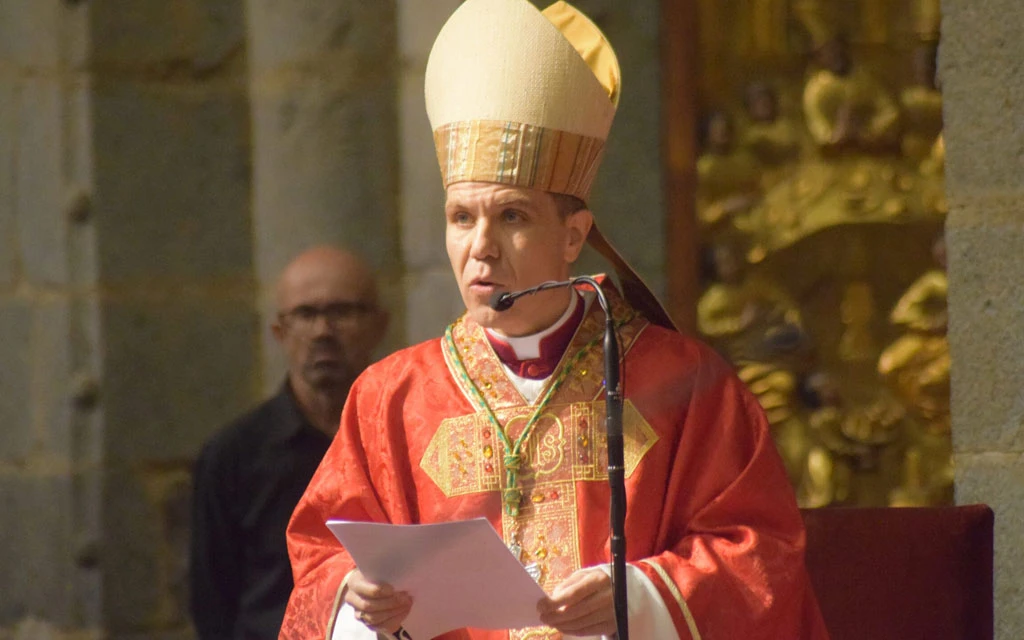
(903, 574)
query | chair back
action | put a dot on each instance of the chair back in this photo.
(903, 573)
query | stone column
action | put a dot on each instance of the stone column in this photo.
(983, 89)
(432, 298)
(50, 430)
(172, 254)
(322, 89)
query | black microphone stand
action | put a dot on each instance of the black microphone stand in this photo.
(616, 460)
(613, 426)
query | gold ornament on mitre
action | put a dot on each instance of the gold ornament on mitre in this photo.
(526, 98)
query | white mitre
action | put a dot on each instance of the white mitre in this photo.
(514, 96)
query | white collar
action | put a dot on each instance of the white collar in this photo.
(528, 347)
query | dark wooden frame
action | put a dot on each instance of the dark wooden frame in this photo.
(679, 61)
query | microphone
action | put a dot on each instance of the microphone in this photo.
(503, 300)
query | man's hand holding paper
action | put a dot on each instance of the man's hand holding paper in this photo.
(377, 605)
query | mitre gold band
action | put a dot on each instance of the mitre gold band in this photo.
(518, 154)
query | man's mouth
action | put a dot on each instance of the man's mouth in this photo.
(485, 286)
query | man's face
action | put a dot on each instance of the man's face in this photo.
(328, 323)
(503, 238)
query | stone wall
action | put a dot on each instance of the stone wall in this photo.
(983, 88)
(173, 252)
(431, 297)
(126, 288)
(50, 431)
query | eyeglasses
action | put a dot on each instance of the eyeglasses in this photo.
(304, 316)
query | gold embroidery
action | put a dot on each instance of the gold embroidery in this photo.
(674, 590)
(518, 154)
(568, 445)
(546, 450)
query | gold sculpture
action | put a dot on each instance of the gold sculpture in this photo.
(854, 175)
(757, 326)
(917, 363)
(845, 106)
(847, 445)
(771, 138)
(764, 26)
(728, 175)
(857, 312)
(875, 20)
(818, 217)
(742, 316)
(921, 102)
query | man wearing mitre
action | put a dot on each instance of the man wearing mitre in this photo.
(503, 416)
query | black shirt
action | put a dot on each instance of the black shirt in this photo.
(248, 479)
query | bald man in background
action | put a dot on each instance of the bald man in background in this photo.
(251, 474)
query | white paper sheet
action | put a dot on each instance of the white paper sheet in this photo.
(459, 574)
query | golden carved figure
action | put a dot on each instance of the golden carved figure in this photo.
(847, 445)
(857, 312)
(917, 363)
(728, 175)
(775, 387)
(874, 20)
(789, 184)
(764, 26)
(771, 138)
(745, 318)
(855, 176)
(927, 474)
(922, 107)
(757, 326)
(845, 106)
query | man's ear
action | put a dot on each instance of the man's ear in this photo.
(577, 225)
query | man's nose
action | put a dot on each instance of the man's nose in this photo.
(322, 324)
(485, 243)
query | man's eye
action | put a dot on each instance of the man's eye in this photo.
(511, 215)
(461, 217)
(305, 313)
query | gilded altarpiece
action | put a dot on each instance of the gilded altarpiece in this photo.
(820, 203)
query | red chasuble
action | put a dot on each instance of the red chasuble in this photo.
(711, 518)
